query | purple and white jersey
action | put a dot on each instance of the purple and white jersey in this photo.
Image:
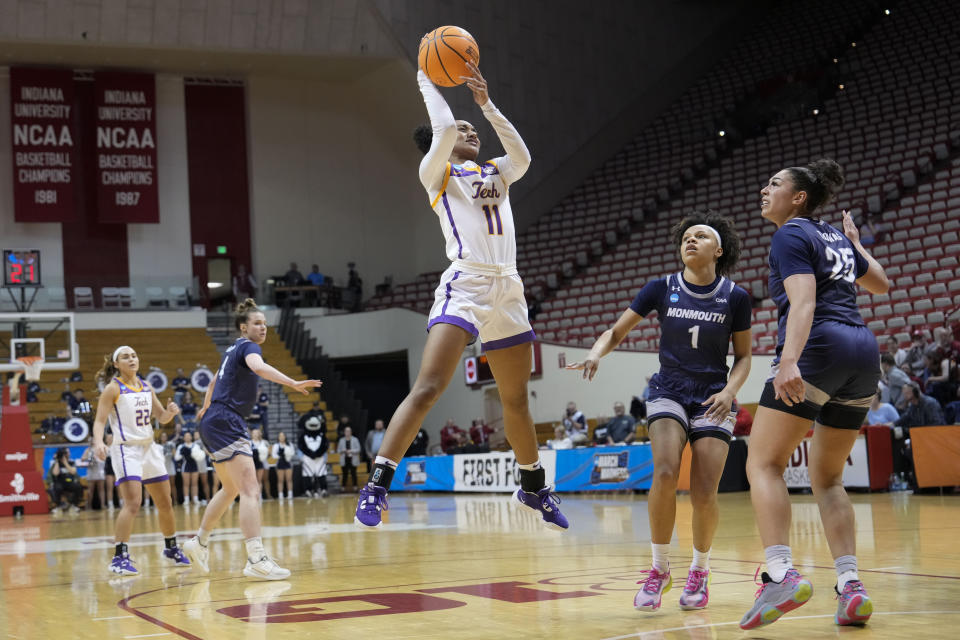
(472, 200)
(236, 384)
(130, 418)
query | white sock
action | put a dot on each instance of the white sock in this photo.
(661, 557)
(530, 467)
(701, 560)
(203, 535)
(255, 551)
(385, 461)
(846, 570)
(779, 561)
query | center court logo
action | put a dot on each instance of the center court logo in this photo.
(416, 474)
(610, 467)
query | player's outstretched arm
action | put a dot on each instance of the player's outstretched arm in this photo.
(517, 161)
(433, 167)
(607, 342)
(265, 371)
(104, 406)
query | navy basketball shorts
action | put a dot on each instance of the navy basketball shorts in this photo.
(224, 433)
(840, 365)
(682, 401)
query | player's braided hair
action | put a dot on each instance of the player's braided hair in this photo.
(821, 180)
(423, 137)
(241, 315)
(729, 238)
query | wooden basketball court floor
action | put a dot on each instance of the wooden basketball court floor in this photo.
(469, 566)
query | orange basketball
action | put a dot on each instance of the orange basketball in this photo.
(444, 53)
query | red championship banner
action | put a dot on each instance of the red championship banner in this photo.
(44, 139)
(126, 147)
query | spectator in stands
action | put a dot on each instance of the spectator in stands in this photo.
(64, 481)
(895, 378)
(349, 449)
(948, 347)
(315, 277)
(575, 423)
(188, 455)
(342, 425)
(480, 433)
(919, 410)
(951, 412)
(169, 446)
(450, 436)
(893, 348)
(354, 287)
(621, 428)
(284, 453)
(181, 387)
(293, 277)
(244, 284)
(419, 445)
(81, 406)
(188, 413)
(94, 478)
(881, 412)
(374, 440)
(913, 364)
(52, 424)
(941, 383)
(260, 449)
(262, 408)
(560, 439)
(744, 422)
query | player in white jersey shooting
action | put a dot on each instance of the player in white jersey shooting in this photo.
(128, 402)
(480, 294)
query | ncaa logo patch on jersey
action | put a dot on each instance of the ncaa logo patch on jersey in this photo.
(674, 297)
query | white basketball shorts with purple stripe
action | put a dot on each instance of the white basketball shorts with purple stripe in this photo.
(142, 462)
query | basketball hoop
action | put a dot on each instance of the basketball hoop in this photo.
(33, 365)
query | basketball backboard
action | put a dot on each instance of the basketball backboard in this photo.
(51, 336)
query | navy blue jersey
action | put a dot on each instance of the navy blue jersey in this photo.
(236, 384)
(805, 246)
(696, 323)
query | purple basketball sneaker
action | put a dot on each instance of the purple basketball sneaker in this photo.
(373, 501)
(122, 565)
(545, 503)
(176, 554)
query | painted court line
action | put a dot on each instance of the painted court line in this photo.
(640, 634)
(149, 635)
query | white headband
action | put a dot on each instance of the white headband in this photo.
(116, 353)
(716, 234)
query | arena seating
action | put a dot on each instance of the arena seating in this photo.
(889, 127)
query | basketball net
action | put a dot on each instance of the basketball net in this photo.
(32, 365)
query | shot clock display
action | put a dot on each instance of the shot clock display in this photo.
(21, 268)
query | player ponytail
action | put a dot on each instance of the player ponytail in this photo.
(821, 180)
(423, 138)
(107, 372)
(729, 238)
(241, 314)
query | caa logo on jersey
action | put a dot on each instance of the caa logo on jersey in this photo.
(721, 300)
(674, 297)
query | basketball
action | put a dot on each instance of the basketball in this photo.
(444, 53)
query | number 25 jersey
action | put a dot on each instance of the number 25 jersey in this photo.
(803, 245)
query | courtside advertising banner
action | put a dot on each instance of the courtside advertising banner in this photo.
(44, 140)
(856, 472)
(126, 147)
(495, 471)
(605, 468)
